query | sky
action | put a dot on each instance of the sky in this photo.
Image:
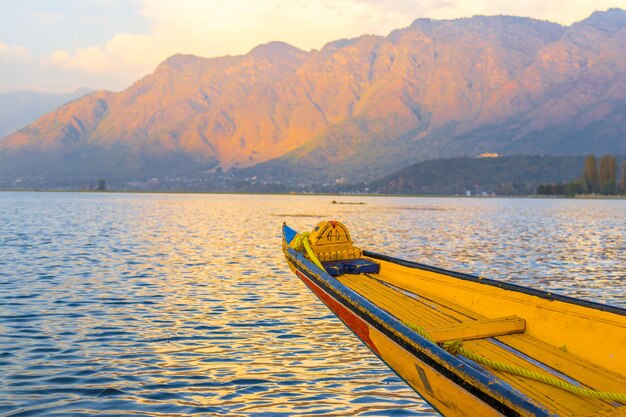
(61, 45)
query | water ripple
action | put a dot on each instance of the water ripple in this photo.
(182, 304)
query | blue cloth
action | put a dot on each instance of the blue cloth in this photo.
(351, 266)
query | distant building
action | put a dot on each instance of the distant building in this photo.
(489, 155)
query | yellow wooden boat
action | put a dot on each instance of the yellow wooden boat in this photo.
(470, 346)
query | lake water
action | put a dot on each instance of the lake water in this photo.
(165, 305)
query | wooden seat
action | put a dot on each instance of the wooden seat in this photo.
(477, 329)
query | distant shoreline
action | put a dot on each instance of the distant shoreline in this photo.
(577, 197)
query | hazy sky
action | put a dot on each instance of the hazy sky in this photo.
(60, 45)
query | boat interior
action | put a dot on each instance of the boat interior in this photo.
(582, 345)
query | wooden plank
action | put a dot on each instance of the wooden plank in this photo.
(478, 329)
(391, 300)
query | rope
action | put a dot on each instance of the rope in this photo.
(302, 241)
(455, 347)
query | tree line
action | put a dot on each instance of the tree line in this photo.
(595, 179)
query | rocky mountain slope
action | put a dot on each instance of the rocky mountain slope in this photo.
(357, 108)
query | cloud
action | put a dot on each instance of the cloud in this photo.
(125, 51)
(14, 53)
(215, 28)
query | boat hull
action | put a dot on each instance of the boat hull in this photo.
(382, 311)
(444, 395)
(449, 385)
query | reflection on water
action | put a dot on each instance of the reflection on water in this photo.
(182, 304)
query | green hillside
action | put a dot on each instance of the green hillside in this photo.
(508, 175)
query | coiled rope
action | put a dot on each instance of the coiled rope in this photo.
(455, 347)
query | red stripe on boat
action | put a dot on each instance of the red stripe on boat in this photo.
(354, 322)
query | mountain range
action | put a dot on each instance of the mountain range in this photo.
(355, 110)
